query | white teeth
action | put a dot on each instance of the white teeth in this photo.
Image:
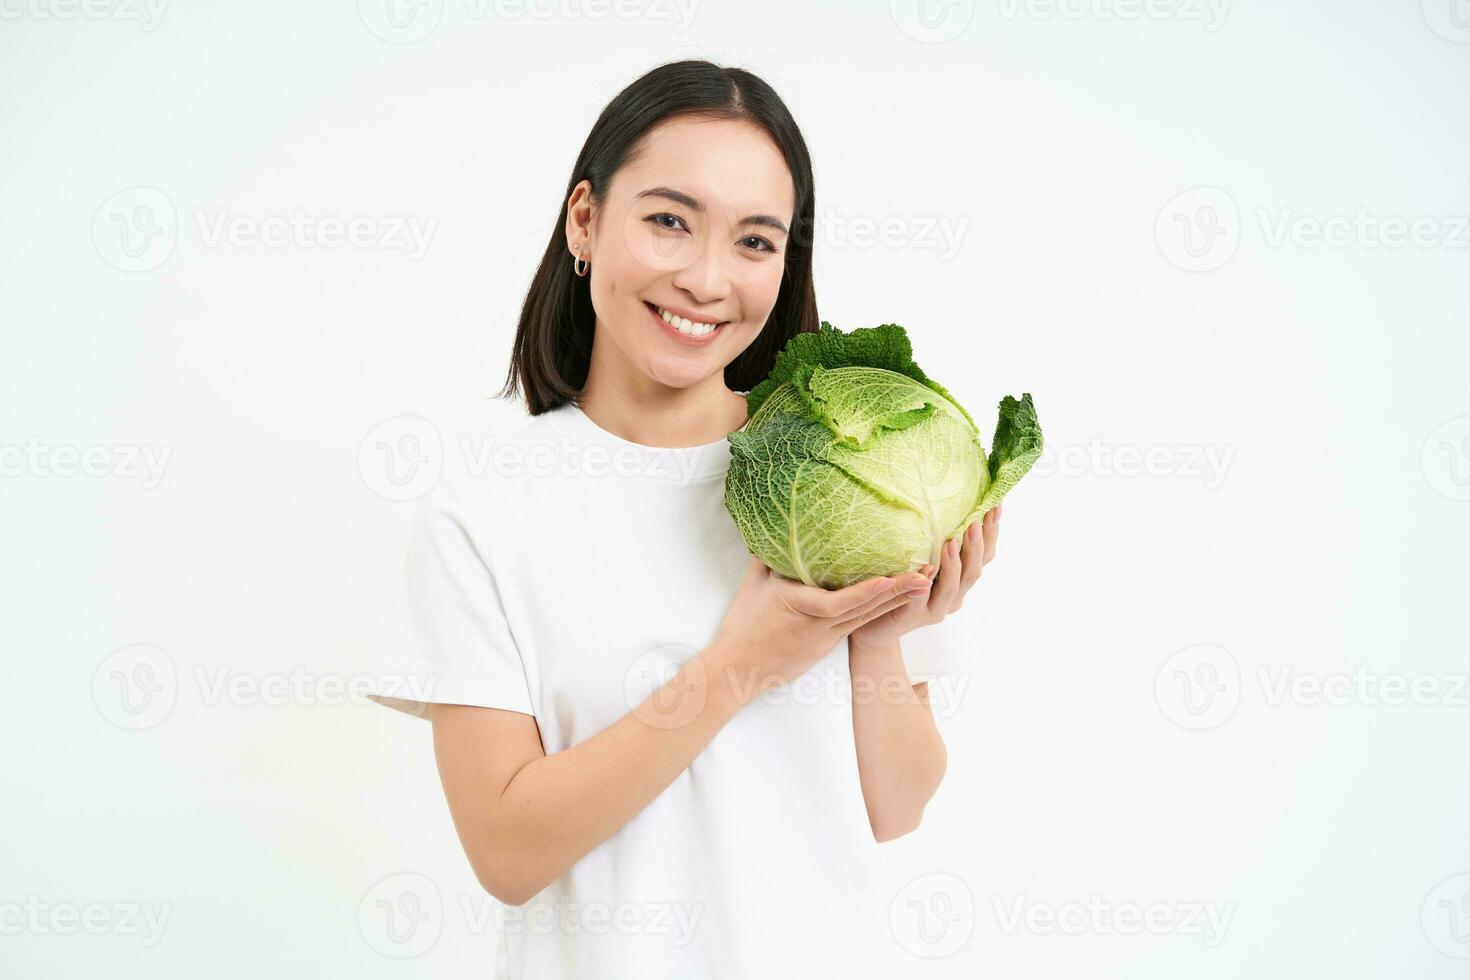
(685, 326)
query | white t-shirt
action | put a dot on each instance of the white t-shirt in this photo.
(568, 581)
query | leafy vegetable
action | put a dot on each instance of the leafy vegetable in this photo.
(855, 463)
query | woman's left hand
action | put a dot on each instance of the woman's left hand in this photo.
(959, 569)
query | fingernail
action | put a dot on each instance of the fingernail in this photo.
(882, 585)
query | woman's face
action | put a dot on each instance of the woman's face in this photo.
(696, 226)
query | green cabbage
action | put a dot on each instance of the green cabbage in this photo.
(854, 463)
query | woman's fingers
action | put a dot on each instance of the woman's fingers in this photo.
(900, 591)
(882, 608)
(991, 533)
(839, 603)
(973, 554)
(947, 582)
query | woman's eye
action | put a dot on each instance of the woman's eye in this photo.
(762, 244)
(654, 218)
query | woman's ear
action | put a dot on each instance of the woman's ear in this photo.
(579, 218)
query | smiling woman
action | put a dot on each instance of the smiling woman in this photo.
(596, 646)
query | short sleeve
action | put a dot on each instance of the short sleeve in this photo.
(949, 646)
(448, 640)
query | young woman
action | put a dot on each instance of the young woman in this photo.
(666, 761)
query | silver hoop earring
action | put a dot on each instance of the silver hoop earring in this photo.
(579, 264)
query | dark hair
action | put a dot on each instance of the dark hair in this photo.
(553, 342)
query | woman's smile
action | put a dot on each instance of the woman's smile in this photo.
(685, 329)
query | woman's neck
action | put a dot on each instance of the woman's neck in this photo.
(673, 418)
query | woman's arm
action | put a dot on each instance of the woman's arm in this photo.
(524, 817)
(900, 755)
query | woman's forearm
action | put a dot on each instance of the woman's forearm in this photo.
(901, 756)
(560, 806)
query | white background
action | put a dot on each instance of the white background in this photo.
(261, 825)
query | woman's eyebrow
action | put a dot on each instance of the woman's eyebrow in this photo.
(693, 205)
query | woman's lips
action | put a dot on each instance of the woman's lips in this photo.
(674, 332)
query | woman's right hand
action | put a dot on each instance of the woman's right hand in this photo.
(779, 628)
